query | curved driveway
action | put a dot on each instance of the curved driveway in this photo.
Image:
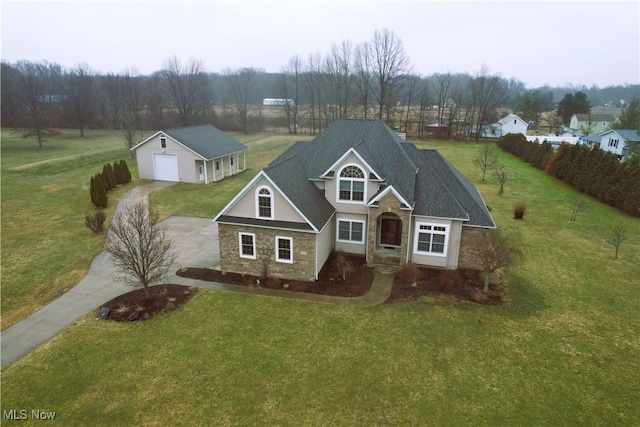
(195, 240)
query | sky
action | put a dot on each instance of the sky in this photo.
(558, 43)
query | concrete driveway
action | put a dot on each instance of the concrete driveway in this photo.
(195, 240)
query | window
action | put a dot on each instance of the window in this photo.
(231, 161)
(351, 184)
(515, 121)
(264, 202)
(217, 165)
(431, 239)
(163, 142)
(351, 231)
(247, 243)
(284, 252)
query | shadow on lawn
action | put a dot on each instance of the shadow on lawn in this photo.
(525, 299)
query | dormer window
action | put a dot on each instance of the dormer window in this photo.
(163, 142)
(264, 203)
(351, 184)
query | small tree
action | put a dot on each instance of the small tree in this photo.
(100, 198)
(138, 246)
(617, 235)
(265, 253)
(576, 207)
(486, 159)
(95, 222)
(495, 252)
(504, 177)
(343, 264)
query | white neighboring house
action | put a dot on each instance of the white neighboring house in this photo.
(511, 123)
(617, 141)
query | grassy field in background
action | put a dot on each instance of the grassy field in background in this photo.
(563, 350)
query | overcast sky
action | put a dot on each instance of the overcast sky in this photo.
(559, 42)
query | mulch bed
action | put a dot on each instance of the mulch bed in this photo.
(162, 298)
(413, 283)
(330, 282)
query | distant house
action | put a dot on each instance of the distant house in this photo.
(195, 154)
(591, 123)
(617, 141)
(357, 187)
(508, 124)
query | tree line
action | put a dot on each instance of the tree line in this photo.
(592, 171)
(366, 80)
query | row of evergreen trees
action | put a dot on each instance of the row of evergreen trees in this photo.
(110, 177)
(592, 171)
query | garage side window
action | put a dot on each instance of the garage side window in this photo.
(163, 142)
(264, 202)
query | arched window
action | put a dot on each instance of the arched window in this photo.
(351, 184)
(264, 203)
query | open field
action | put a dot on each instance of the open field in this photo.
(563, 350)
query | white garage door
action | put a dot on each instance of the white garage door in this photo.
(165, 167)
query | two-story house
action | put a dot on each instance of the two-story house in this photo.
(589, 124)
(359, 188)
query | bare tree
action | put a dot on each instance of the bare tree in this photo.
(38, 86)
(495, 251)
(390, 65)
(290, 87)
(187, 89)
(241, 89)
(138, 246)
(424, 96)
(363, 75)
(11, 106)
(265, 255)
(155, 100)
(80, 95)
(486, 159)
(617, 235)
(487, 93)
(577, 206)
(130, 117)
(339, 71)
(314, 85)
(504, 177)
(442, 84)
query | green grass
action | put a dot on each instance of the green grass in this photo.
(563, 350)
(46, 247)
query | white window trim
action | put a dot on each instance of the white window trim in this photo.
(446, 233)
(364, 231)
(364, 180)
(278, 259)
(253, 238)
(257, 199)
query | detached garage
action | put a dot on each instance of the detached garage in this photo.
(195, 154)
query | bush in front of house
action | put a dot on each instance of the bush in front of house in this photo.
(95, 222)
(518, 210)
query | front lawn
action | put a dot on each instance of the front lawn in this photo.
(562, 350)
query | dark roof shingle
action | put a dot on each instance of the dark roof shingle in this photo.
(206, 140)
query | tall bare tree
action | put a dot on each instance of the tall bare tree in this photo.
(80, 95)
(241, 89)
(486, 159)
(38, 88)
(442, 84)
(187, 89)
(138, 246)
(487, 93)
(339, 71)
(289, 86)
(130, 117)
(314, 87)
(11, 106)
(390, 64)
(363, 75)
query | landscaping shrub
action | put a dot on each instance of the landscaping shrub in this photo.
(450, 280)
(108, 177)
(100, 198)
(519, 210)
(126, 171)
(95, 222)
(409, 273)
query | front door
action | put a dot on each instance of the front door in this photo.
(390, 231)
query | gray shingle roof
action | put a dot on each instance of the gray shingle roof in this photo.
(288, 173)
(425, 179)
(628, 134)
(206, 140)
(595, 117)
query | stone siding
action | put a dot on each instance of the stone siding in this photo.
(467, 257)
(302, 268)
(389, 203)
